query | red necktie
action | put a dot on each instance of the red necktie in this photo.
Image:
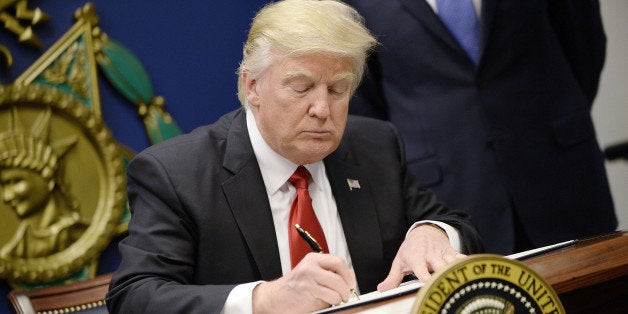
(302, 213)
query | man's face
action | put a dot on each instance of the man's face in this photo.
(25, 190)
(300, 104)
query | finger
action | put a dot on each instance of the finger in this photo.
(453, 256)
(437, 262)
(334, 283)
(339, 266)
(394, 278)
(439, 258)
(422, 273)
(334, 274)
(353, 284)
(328, 295)
(390, 282)
(448, 256)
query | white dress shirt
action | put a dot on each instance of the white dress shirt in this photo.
(477, 4)
(276, 170)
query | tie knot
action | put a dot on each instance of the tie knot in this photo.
(299, 178)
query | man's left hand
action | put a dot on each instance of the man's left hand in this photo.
(426, 249)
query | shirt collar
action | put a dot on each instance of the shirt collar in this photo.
(276, 169)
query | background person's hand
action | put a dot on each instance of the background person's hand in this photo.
(317, 282)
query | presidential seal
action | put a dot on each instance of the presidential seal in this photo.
(62, 182)
(487, 283)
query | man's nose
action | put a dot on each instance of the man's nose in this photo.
(320, 104)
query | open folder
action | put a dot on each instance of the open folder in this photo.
(405, 305)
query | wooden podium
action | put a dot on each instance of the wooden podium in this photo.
(590, 276)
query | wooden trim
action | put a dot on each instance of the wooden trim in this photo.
(73, 296)
(589, 262)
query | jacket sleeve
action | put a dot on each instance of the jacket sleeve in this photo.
(578, 26)
(156, 274)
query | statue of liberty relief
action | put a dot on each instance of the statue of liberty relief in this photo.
(32, 185)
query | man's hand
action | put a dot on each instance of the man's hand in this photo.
(317, 282)
(426, 249)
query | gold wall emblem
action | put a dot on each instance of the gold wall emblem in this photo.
(487, 283)
(13, 14)
(61, 181)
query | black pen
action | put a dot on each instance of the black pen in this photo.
(309, 239)
(316, 248)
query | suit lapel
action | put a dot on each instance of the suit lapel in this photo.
(248, 200)
(358, 216)
(426, 16)
(489, 7)
(430, 20)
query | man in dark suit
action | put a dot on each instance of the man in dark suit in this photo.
(211, 210)
(505, 132)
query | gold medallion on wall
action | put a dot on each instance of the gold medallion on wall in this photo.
(62, 184)
(487, 283)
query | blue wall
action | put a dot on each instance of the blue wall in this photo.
(190, 49)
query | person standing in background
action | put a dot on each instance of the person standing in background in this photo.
(495, 96)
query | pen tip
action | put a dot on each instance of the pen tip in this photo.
(355, 293)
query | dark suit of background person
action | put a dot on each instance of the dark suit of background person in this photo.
(510, 141)
(208, 185)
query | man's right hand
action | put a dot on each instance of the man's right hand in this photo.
(317, 282)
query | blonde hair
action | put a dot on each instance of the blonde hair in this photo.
(298, 27)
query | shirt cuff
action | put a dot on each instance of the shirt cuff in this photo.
(454, 236)
(240, 299)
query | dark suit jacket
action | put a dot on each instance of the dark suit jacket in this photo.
(509, 138)
(201, 221)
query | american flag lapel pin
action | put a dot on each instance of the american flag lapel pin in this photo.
(353, 184)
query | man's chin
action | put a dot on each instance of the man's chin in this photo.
(317, 153)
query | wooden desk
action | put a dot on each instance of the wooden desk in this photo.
(590, 276)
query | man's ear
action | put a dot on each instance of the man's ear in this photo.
(250, 88)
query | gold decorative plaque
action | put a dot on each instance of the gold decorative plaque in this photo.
(62, 182)
(487, 283)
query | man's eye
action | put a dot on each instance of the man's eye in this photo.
(339, 90)
(299, 88)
